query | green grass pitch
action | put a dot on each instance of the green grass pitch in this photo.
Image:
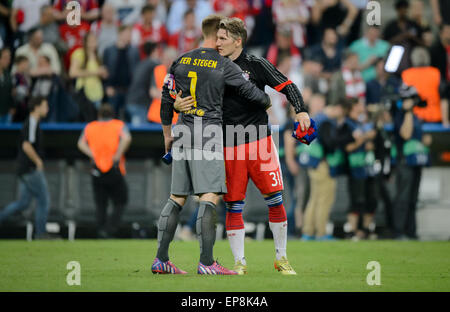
(124, 265)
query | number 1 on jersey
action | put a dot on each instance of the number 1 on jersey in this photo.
(193, 76)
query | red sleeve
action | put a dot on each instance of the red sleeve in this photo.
(93, 4)
(216, 6)
(58, 5)
(164, 34)
(173, 40)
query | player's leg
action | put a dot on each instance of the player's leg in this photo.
(208, 179)
(206, 226)
(237, 180)
(168, 220)
(266, 173)
(167, 225)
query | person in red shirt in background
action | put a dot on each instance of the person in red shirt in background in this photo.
(231, 8)
(245, 10)
(73, 37)
(295, 15)
(89, 10)
(188, 38)
(149, 29)
(73, 34)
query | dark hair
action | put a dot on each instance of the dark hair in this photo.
(148, 8)
(35, 101)
(346, 104)
(148, 47)
(349, 53)
(442, 26)
(32, 31)
(400, 4)
(189, 11)
(20, 58)
(210, 25)
(105, 111)
(374, 26)
(123, 28)
(379, 59)
(45, 7)
(329, 28)
(351, 102)
(85, 51)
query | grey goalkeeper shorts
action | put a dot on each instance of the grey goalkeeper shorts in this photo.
(193, 174)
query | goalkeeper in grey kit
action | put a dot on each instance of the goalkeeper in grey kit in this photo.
(203, 73)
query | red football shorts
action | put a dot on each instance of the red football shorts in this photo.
(256, 160)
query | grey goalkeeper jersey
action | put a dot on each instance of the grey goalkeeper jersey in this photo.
(203, 73)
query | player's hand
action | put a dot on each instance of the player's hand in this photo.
(183, 104)
(39, 165)
(168, 141)
(303, 120)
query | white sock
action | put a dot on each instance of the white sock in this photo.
(236, 239)
(279, 232)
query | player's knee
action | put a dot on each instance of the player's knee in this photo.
(234, 220)
(277, 213)
(210, 197)
(179, 199)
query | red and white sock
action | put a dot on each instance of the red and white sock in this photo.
(234, 226)
(278, 223)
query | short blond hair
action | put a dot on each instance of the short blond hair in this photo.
(210, 25)
(235, 27)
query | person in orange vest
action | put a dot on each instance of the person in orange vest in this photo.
(105, 141)
(159, 74)
(426, 79)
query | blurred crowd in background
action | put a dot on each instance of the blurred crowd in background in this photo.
(122, 49)
(113, 54)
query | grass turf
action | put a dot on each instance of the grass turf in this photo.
(124, 265)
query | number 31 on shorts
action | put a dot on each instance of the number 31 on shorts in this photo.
(276, 178)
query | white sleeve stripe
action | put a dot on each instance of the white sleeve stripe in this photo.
(32, 130)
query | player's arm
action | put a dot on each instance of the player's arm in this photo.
(233, 76)
(167, 99)
(276, 80)
(166, 112)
